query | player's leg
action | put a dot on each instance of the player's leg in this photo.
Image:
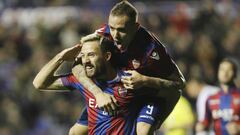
(144, 128)
(80, 127)
(153, 115)
(147, 119)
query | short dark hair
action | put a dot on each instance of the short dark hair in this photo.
(234, 63)
(125, 8)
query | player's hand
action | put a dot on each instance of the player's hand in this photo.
(233, 128)
(134, 81)
(199, 127)
(107, 102)
(71, 53)
(89, 37)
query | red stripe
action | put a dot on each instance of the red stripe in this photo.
(217, 127)
(72, 79)
(102, 29)
(92, 112)
(116, 127)
(92, 118)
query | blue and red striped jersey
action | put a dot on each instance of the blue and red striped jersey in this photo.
(221, 109)
(100, 122)
(145, 54)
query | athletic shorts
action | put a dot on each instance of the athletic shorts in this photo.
(83, 120)
(149, 113)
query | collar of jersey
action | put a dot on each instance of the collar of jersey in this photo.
(230, 89)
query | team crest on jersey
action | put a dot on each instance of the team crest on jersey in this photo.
(155, 55)
(121, 91)
(136, 63)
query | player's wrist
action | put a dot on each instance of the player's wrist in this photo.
(92, 36)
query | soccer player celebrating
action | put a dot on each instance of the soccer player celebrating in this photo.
(147, 61)
(100, 65)
(223, 108)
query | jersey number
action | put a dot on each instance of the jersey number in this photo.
(150, 107)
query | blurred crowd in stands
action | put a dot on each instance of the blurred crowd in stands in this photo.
(196, 41)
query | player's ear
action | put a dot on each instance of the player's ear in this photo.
(108, 56)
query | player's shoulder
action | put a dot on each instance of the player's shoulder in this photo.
(208, 90)
(237, 91)
(147, 42)
(149, 36)
(104, 30)
(214, 97)
(141, 40)
(144, 36)
(70, 77)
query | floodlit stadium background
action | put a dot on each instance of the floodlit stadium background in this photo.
(197, 34)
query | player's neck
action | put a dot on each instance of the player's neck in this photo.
(127, 44)
(110, 74)
(225, 87)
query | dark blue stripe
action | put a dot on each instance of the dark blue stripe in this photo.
(103, 123)
(107, 31)
(225, 103)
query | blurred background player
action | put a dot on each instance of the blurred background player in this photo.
(206, 91)
(223, 107)
(100, 65)
(145, 59)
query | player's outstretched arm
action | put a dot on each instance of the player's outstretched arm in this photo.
(171, 85)
(200, 128)
(89, 37)
(46, 79)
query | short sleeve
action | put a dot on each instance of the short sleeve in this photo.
(207, 117)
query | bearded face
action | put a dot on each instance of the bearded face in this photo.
(92, 59)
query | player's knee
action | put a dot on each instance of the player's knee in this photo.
(78, 130)
(74, 131)
(71, 131)
(144, 128)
